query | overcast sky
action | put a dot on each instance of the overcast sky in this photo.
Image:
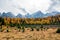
(28, 6)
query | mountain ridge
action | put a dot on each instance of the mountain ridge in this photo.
(37, 14)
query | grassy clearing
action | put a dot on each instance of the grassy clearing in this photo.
(26, 34)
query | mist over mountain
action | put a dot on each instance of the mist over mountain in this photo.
(8, 14)
(28, 15)
(37, 14)
(0, 14)
(52, 13)
(19, 16)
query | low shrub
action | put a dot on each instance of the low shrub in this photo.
(58, 30)
(32, 29)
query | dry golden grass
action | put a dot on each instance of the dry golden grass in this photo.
(14, 34)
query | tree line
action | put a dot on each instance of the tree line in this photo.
(52, 20)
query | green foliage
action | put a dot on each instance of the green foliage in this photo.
(23, 29)
(0, 28)
(19, 27)
(41, 26)
(32, 29)
(1, 21)
(12, 25)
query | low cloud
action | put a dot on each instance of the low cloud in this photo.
(54, 6)
(24, 6)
